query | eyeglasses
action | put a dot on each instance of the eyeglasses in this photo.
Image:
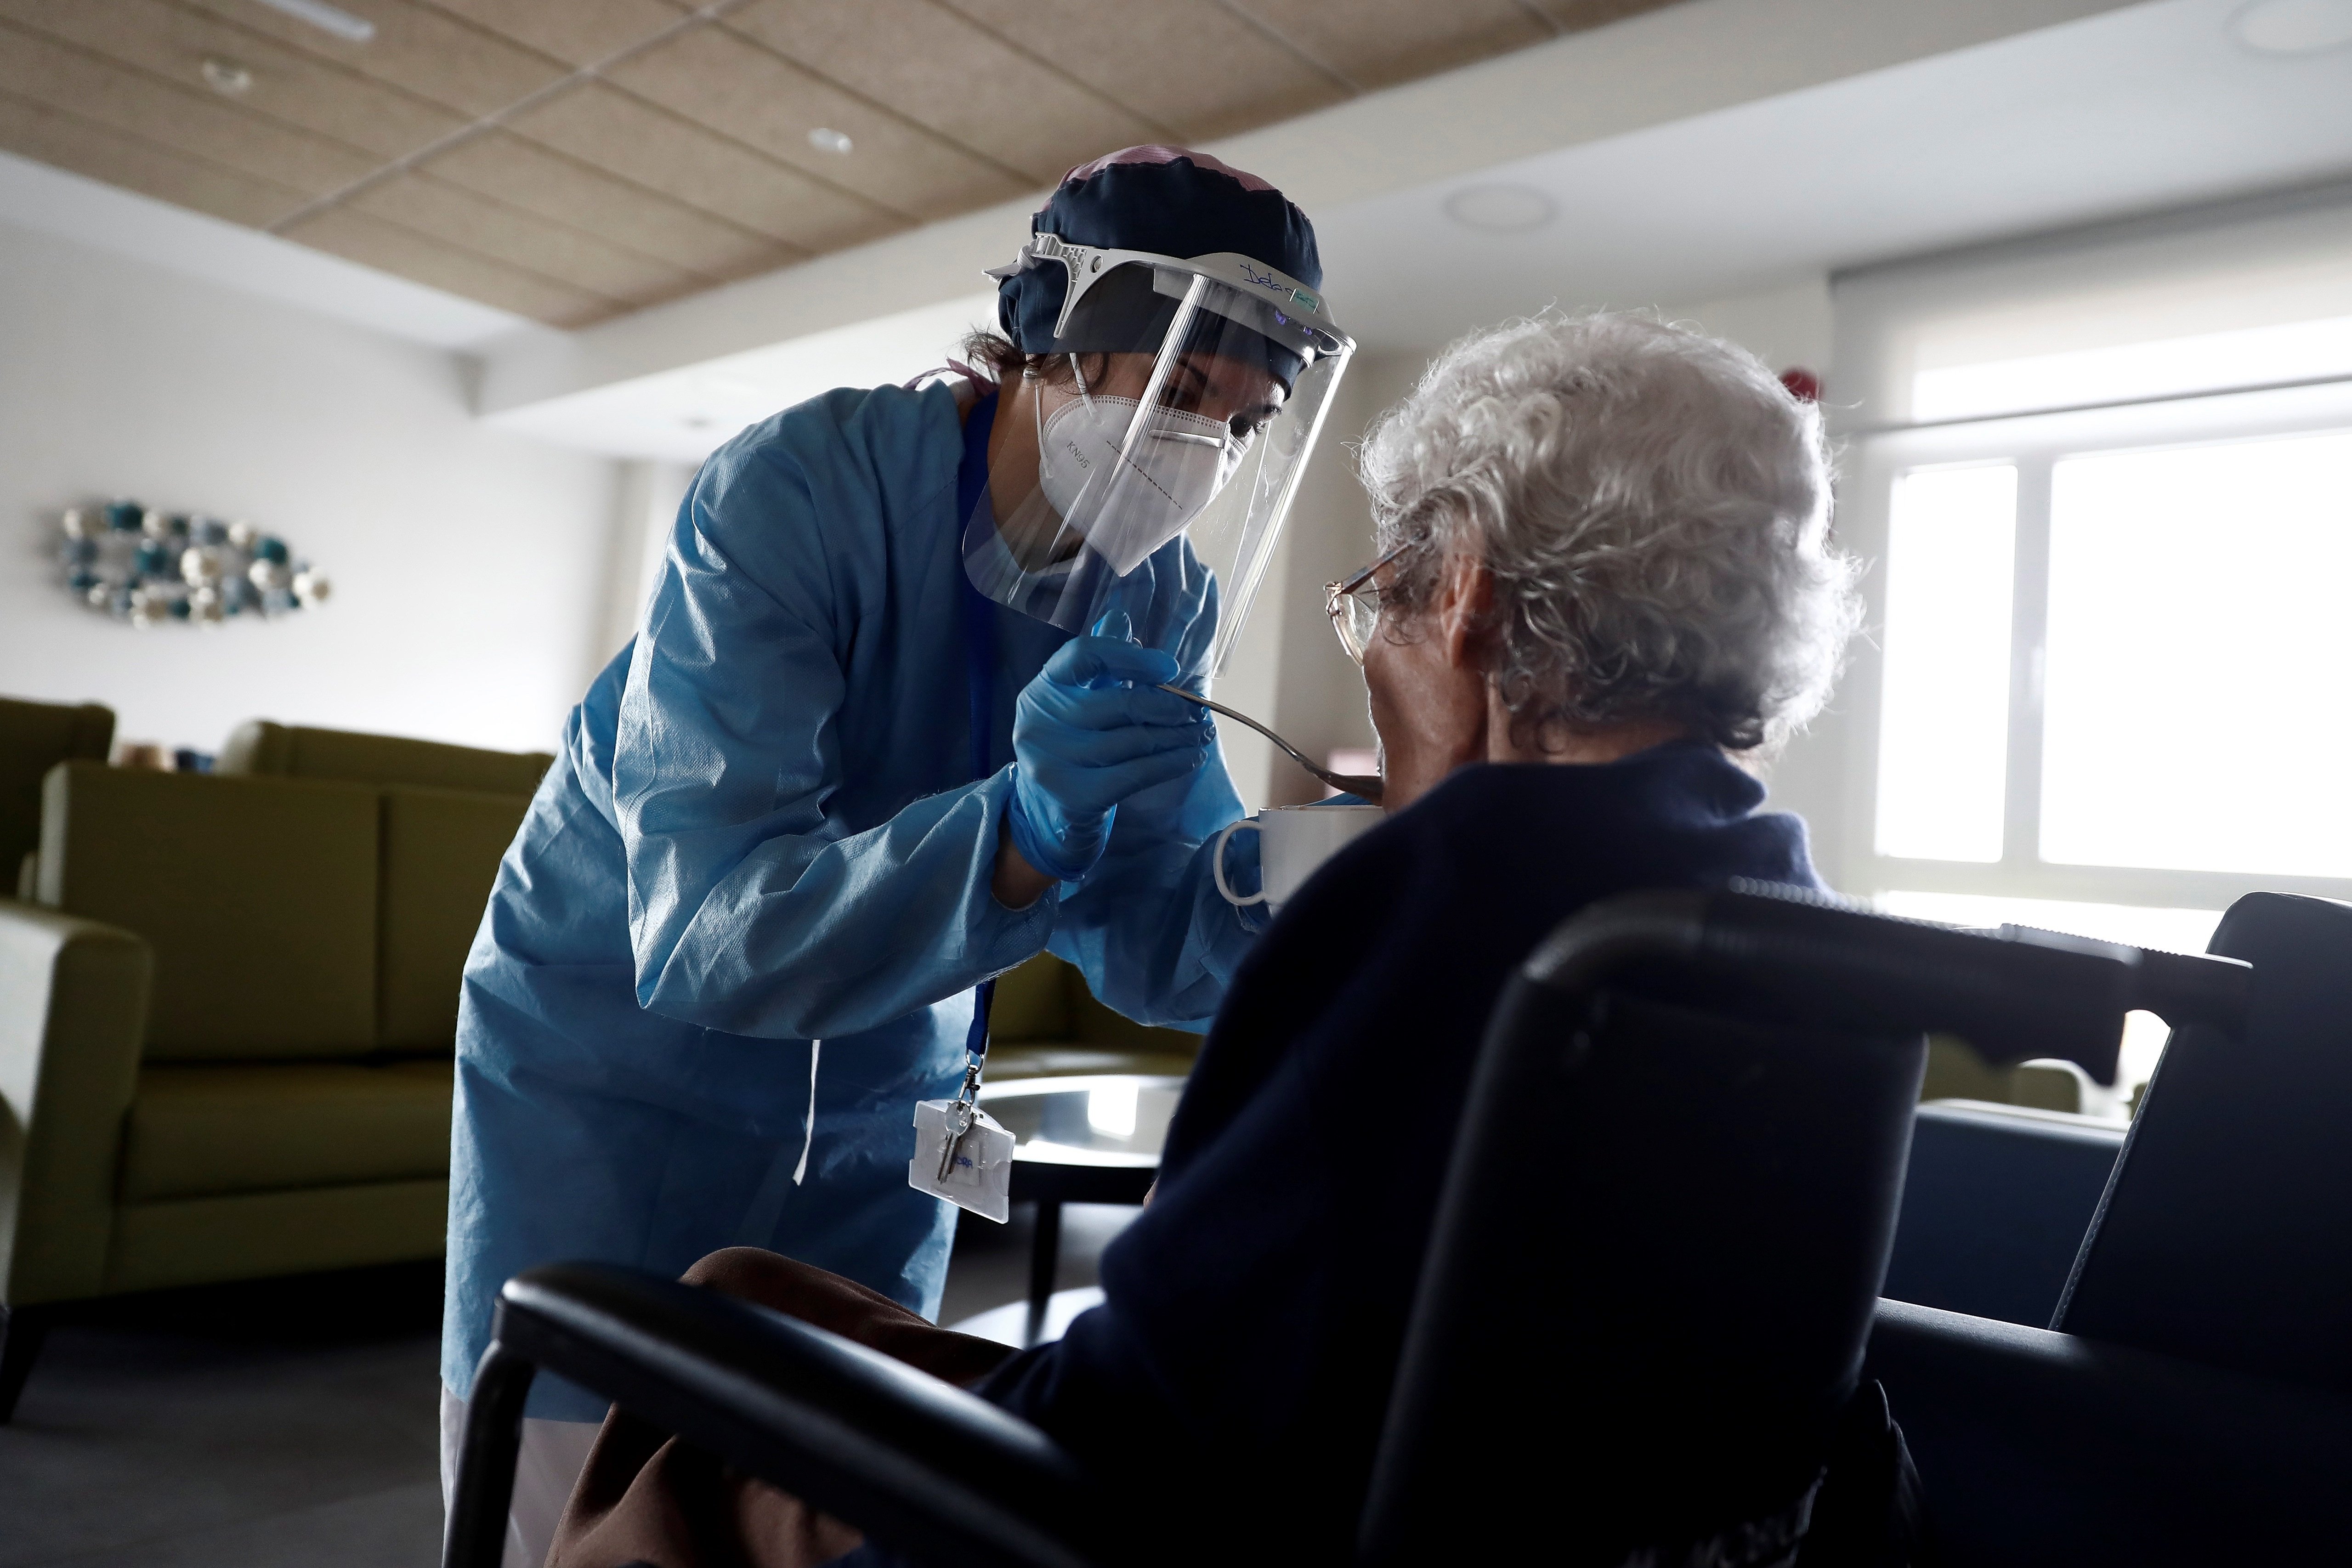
(1354, 605)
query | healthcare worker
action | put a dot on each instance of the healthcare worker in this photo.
(888, 728)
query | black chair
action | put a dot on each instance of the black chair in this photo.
(2192, 1401)
(1699, 1104)
(1996, 1203)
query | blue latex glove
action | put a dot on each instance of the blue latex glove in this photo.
(1084, 739)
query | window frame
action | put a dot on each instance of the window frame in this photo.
(2034, 443)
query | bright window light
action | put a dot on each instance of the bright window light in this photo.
(2171, 930)
(1943, 745)
(2207, 361)
(2197, 659)
(1110, 1108)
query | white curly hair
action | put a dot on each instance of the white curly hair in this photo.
(1653, 506)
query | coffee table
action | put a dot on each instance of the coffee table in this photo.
(1090, 1139)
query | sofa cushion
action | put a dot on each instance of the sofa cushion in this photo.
(252, 1235)
(257, 894)
(291, 751)
(441, 850)
(1033, 1001)
(199, 1131)
(1955, 1071)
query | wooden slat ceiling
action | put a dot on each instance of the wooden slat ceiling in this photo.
(573, 160)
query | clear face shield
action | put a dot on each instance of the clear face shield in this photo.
(1169, 442)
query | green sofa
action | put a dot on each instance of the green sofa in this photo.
(228, 1015)
(1046, 1024)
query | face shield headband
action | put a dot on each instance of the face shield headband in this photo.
(1169, 456)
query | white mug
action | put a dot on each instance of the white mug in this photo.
(1291, 842)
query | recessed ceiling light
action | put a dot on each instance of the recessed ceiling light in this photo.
(1500, 209)
(824, 139)
(227, 76)
(2294, 26)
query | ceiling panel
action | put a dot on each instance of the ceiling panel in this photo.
(933, 65)
(577, 32)
(735, 87)
(359, 236)
(469, 144)
(428, 52)
(35, 130)
(1189, 65)
(640, 142)
(523, 240)
(295, 90)
(191, 121)
(523, 174)
(1376, 43)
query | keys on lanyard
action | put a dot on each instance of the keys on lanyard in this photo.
(962, 1153)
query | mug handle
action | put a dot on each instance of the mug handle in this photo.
(1217, 864)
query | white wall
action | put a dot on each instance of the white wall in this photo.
(646, 497)
(468, 564)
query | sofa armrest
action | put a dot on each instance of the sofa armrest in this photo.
(73, 1017)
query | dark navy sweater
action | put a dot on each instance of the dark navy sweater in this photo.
(1239, 1367)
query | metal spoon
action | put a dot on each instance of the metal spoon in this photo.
(1364, 785)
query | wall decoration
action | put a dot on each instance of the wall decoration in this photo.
(148, 567)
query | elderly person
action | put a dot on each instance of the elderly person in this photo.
(1603, 582)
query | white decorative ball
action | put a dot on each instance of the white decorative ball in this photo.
(78, 524)
(313, 587)
(100, 594)
(154, 524)
(204, 606)
(201, 564)
(242, 535)
(266, 575)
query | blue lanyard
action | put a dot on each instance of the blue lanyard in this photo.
(979, 650)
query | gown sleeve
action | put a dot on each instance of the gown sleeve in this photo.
(752, 910)
(1156, 939)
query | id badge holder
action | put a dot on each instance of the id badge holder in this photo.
(962, 1153)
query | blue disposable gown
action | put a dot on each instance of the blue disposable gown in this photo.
(760, 870)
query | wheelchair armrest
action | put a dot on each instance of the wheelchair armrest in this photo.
(918, 1464)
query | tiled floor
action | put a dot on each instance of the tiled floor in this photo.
(293, 1424)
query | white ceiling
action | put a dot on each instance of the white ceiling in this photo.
(680, 415)
(2135, 111)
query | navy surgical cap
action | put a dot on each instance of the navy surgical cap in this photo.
(1170, 201)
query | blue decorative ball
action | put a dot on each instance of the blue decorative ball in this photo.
(180, 609)
(270, 548)
(209, 531)
(83, 581)
(124, 517)
(81, 552)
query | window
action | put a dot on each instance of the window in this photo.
(2108, 497)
